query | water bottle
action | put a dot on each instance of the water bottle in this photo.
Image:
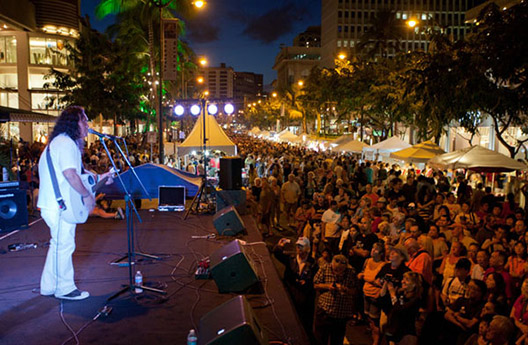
(192, 339)
(138, 282)
(21, 246)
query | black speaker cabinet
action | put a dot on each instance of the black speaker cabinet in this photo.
(13, 209)
(228, 222)
(235, 198)
(230, 173)
(233, 322)
(231, 269)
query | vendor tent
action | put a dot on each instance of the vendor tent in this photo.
(286, 136)
(215, 135)
(345, 138)
(350, 146)
(264, 135)
(254, 131)
(391, 144)
(476, 158)
(419, 153)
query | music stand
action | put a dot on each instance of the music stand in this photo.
(129, 205)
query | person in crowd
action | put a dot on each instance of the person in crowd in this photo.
(290, 194)
(480, 337)
(500, 331)
(331, 231)
(440, 248)
(298, 277)
(463, 315)
(403, 308)
(495, 284)
(457, 287)
(337, 283)
(447, 268)
(419, 260)
(497, 262)
(371, 289)
(264, 208)
(516, 265)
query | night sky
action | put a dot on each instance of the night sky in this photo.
(245, 34)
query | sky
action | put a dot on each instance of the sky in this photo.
(243, 34)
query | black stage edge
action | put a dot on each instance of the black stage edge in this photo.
(28, 318)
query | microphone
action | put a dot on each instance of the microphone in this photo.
(102, 135)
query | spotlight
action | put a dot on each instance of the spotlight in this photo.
(228, 108)
(212, 109)
(179, 110)
(195, 109)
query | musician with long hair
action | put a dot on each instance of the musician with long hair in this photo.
(65, 148)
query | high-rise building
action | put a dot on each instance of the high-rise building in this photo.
(248, 88)
(295, 63)
(33, 38)
(344, 22)
(219, 81)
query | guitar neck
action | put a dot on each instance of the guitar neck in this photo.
(99, 184)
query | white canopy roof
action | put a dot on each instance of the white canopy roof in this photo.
(476, 158)
(255, 130)
(419, 153)
(350, 146)
(391, 144)
(345, 138)
(215, 135)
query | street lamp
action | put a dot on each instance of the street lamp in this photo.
(161, 4)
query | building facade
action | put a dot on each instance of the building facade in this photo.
(344, 22)
(34, 35)
(295, 63)
(247, 88)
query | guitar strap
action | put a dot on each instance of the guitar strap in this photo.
(56, 189)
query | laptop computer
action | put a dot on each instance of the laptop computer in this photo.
(171, 198)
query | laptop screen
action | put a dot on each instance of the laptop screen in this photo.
(171, 195)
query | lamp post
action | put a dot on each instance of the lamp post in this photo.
(162, 4)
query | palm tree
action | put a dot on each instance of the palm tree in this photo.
(383, 35)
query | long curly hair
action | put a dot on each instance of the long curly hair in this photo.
(68, 123)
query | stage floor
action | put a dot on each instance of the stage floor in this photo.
(148, 318)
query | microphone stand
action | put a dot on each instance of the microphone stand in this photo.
(131, 254)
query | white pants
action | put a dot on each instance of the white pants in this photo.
(57, 276)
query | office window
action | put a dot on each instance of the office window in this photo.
(7, 49)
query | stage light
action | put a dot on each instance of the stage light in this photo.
(195, 110)
(228, 108)
(212, 109)
(179, 110)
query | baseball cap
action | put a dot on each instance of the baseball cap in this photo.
(402, 251)
(382, 199)
(411, 205)
(303, 242)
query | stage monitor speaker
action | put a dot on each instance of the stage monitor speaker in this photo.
(233, 322)
(231, 269)
(235, 198)
(227, 221)
(230, 173)
(13, 209)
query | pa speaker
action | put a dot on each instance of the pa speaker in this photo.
(233, 322)
(237, 198)
(13, 209)
(227, 222)
(230, 173)
(231, 269)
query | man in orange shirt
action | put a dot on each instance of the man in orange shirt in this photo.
(419, 260)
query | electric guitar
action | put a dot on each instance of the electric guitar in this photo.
(76, 211)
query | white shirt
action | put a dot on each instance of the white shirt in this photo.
(65, 154)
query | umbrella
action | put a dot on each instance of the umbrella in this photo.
(419, 153)
(476, 158)
(391, 144)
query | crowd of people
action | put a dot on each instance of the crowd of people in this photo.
(422, 257)
(428, 257)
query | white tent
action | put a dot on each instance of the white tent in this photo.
(286, 136)
(350, 146)
(254, 131)
(476, 158)
(215, 135)
(419, 153)
(264, 135)
(391, 144)
(345, 138)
